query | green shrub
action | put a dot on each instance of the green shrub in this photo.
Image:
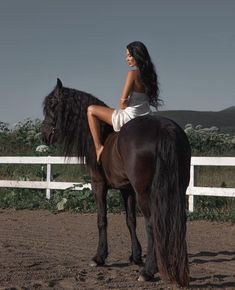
(213, 208)
(209, 141)
(81, 201)
(25, 137)
(23, 199)
(213, 215)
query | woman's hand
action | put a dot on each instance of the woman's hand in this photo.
(123, 103)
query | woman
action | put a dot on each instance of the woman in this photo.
(139, 92)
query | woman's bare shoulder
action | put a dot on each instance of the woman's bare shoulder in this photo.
(133, 73)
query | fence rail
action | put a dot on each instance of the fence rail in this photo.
(49, 185)
(208, 191)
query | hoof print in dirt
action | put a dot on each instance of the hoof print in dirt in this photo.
(81, 276)
(51, 283)
(100, 276)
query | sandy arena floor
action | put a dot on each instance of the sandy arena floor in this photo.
(41, 250)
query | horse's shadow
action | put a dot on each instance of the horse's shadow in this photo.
(213, 285)
(128, 264)
(230, 254)
(117, 265)
(216, 281)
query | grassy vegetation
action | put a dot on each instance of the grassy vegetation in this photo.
(81, 201)
(209, 208)
(24, 138)
(215, 176)
(213, 208)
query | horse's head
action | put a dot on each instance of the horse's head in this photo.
(65, 120)
(49, 127)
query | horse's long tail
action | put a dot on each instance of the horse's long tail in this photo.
(168, 208)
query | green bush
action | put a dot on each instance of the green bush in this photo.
(209, 141)
(23, 199)
(213, 215)
(213, 208)
(81, 201)
(24, 138)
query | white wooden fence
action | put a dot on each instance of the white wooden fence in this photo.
(208, 191)
(49, 185)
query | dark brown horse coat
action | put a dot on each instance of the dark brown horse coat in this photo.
(112, 163)
(148, 160)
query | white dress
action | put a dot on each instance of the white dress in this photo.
(137, 105)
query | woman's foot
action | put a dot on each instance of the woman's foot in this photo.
(99, 152)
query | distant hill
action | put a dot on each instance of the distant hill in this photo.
(225, 119)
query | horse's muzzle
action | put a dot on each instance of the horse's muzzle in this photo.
(48, 135)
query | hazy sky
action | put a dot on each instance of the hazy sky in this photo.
(83, 42)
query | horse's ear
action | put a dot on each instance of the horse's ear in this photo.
(58, 87)
(59, 84)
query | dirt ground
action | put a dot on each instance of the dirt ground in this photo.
(42, 250)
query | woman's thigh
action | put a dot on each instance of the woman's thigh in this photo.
(102, 113)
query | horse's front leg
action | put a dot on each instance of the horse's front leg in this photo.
(100, 193)
(130, 207)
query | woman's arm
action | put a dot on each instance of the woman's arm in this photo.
(127, 89)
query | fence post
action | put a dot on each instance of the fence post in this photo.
(48, 191)
(191, 185)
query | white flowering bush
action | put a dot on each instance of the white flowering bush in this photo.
(28, 131)
(208, 141)
(4, 127)
(24, 138)
(21, 138)
(42, 148)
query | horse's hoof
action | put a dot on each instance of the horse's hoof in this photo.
(93, 263)
(141, 278)
(145, 277)
(139, 262)
(96, 262)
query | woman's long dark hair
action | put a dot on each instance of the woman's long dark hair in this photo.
(147, 71)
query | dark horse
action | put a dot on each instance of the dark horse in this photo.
(148, 160)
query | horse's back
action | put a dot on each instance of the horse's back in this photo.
(153, 121)
(150, 129)
(130, 155)
(144, 140)
(122, 150)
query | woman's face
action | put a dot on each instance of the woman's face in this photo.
(130, 59)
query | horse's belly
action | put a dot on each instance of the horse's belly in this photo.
(115, 175)
(112, 164)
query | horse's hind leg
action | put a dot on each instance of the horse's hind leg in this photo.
(130, 206)
(150, 268)
(100, 193)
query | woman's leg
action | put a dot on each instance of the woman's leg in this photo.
(94, 114)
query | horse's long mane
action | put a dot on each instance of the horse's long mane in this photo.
(69, 109)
